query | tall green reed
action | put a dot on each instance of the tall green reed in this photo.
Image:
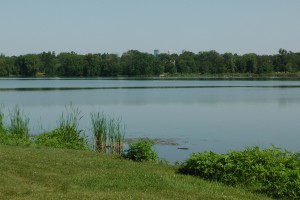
(2, 128)
(99, 127)
(67, 134)
(69, 124)
(119, 134)
(19, 123)
(109, 133)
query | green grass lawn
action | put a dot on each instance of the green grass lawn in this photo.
(45, 173)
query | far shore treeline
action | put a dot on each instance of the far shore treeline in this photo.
(136, 63)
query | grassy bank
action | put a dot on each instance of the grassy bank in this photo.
(45, 173)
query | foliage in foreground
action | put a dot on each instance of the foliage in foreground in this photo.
(109, 132)
(271, 171)
(2, 128)
(19, 123)
(67, 135)
(17, 132)
(47, 173)
(141, 150)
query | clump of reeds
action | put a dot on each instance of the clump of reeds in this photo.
(99, 126)
(2, 128)
(19, 123)
(108, 132)
(116, 133)
(67, 135)
(17, 132)
(68, 124)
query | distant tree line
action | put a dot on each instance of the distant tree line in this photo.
(136, 63)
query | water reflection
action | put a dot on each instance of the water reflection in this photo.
(154, 96)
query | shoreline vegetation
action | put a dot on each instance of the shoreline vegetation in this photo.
(134, 63)
(177, 76)
(31, 173)
(270, 171)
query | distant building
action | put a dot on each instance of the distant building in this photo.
(170, 52)
(156, 52)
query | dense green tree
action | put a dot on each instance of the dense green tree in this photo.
(7, 66)
(296, 60)
(28, 64)
(71, 64)
(229, 63)
(264, 64)
(250, 60)
(158, 66)
(168, 62)
(48, 63)
(92, 65)
(3, 67)
(110, 65)
(136, 63)
(281, 61)
(210, 62)
(291, 62)
(186, 63)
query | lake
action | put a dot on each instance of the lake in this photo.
(216, 115)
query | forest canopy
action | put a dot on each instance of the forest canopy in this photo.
(136, 63)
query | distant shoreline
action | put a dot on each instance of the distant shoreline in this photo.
(225, 76)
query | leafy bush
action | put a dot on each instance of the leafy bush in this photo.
(67, 135)
(272, 171)
(141, 151)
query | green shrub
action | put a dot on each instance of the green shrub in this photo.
(141, 151)
(67, 135)
(271, 171)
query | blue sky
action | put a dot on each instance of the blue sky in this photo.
(115, 26)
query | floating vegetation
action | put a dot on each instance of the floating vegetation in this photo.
(183, 148)
(159, 141)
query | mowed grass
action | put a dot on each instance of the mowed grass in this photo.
(45, 173)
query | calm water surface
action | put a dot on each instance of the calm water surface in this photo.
(197, 114)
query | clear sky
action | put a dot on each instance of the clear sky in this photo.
(115, 26)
